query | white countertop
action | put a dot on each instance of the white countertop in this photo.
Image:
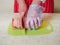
(48, 39)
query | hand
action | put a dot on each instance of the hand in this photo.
(16, 22)
(22, 10)
(34, 18)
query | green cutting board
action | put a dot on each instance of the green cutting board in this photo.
(40, 31)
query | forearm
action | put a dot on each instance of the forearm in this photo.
(21, 1)
(36, 2)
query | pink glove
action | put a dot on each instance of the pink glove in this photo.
(34, 17)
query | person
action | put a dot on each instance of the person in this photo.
(22, 7)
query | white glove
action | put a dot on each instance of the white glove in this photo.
(34, 18)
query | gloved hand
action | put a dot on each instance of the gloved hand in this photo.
(34, 18)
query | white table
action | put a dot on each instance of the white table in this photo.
(48, 39)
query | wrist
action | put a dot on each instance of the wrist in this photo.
(43, 1)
